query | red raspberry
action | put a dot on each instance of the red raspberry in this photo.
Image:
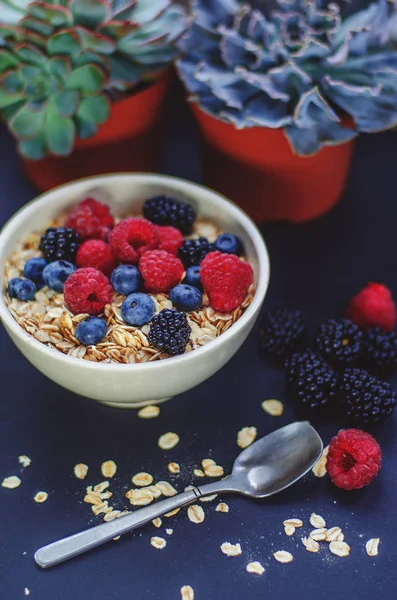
(133, 237)
(87, 291)
(96, 254)
(160, 270)
(225, 279)
(91, 219)
(373, 307)
(171, 239)
(354, 459)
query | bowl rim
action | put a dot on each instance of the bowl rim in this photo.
(260, 292)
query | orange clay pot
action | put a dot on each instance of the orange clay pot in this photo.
(257, 169)
(130, 140)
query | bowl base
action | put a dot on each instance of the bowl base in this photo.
(133, 404)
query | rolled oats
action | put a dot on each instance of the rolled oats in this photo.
(222, 507)
(92, 498)
(11, 482)
(317, 521)
(289, 530)
(149, 412)
(80, 471)
(282, 556)
(26, 591)
(24, 460)
(198, 473)
(187, 592)
(110, 516)
(274, 408)
(310, 544)
(158, 542)
(172, 513)
(207, 462)
(157, 522)
(169, 531)
(320, 468)
(255, 567)
(293, 522)
(174, 468)
(166, 488)
(372, 546)
(214, 471)
(40, 497)
(208, 498)
(140, 497)
(333, 534)
(318, 534)
(108, 469)
(246, 436)
(142, 479)
(195, 513)
(167, 441)
(340, 549)
(231, 549)
(156, 491)
(101, 487)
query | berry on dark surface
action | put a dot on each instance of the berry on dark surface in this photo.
(57, 273)
(282, 332)
(164, 210)
(186, 297)
(171, 239)
(170, 331)
(22, 289)
(226, 280)
(33, 270)
(365, 398)
(137, 309)
(96, 254)
(91, 331)
(192, 252)
(87, 291)
(339, 341)
(60, 244)
(373, 306)
(228, 243)
(192, 277)
(160, 270)
(131, 238)
(380, 349)
(312, 381)
(125, 279)
(354, 459)
(91, 220)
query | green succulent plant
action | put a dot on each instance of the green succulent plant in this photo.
(63, 62)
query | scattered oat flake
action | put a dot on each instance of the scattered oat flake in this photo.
(149, 412)
(174, 468)
(310, 544)
(157, 522)
(169, 531)
(11, 482)
(101, 487)
(40, 497)
(140, 497)
(317, 521)
(142, 479)
(289, 530)
(166, 488)
(110, 516)
(167, 441)
(246, 436)
(207, 462)
(172, 513)
(294, 522)
(372, 546)
(198, 473)
(214, 471)
(158, 542)
(116, 538)
(340, 549)
(274, 408)
(333, 534)
(80, 471)
(255, 567)
(282, 556)
(222, 507)
(26, 591)
(195, 513)
(208, 498)
(320, 468)
(108, 468)
(24, 460)
(187, 592)
(231, 549)
(318, 534)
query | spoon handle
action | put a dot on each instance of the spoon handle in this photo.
(78, 543)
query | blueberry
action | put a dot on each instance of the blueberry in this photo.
(186, 297)
(33, 270)
(56, 273)
(125, 279)
(23, 289)
(138, 309)
(228, 243)
(192, 277)
(91, 330)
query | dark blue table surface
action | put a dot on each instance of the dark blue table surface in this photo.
(316, 266)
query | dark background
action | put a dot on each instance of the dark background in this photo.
(316, 266)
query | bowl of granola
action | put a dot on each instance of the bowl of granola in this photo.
(131, 288)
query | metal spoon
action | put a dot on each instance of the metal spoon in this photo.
(266, 467)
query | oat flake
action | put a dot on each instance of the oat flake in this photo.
(101, 487)
(80, 471)
(149, 412)
(172, 513)
(108, 468)
(372, 546)
(24, 460)
(207, 462)
(174, 468)
(195, 513)
(140, 497)
(246, 436)
(158, 542)
(167, 441)
(169, 531)
(26, 591)
(333, 534)
(340, 549)
(222, 507)
(198, 473)
(142, 479)
(208, 498)
(255, 567)
(157, 522)
(320, 468)
(317, 521)
(282, 556)
(111, 515)
(318, 534)
(289, 530)
(166, 488)
(231, 549)
(187, 592)
(293, 522)
(40, 497)
(11, 482)
(274, 408)
(310, 544)
(214, 471)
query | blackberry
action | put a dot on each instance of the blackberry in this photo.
(365, 398)
(170, 331)
(192, 252)
(311, 379)
(164, 210)
(282, 332)
(380, 349)
(60, 244)
(339, 341)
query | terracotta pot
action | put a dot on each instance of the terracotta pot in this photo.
(131, 140)
(257, 169)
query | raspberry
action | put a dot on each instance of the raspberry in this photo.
(225, 279)
(96, 254)
(283, 331)
(133, 237)
(171, 239)
(373, 307)
(91, 219)
(87, 291)
(354, 459)
(160, 270)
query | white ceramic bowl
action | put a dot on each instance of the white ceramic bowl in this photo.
(136, 384)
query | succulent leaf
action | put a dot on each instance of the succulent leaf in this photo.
(58, 132)
(307, 66)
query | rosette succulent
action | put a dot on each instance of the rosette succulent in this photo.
(322, 70)
(63, 62)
